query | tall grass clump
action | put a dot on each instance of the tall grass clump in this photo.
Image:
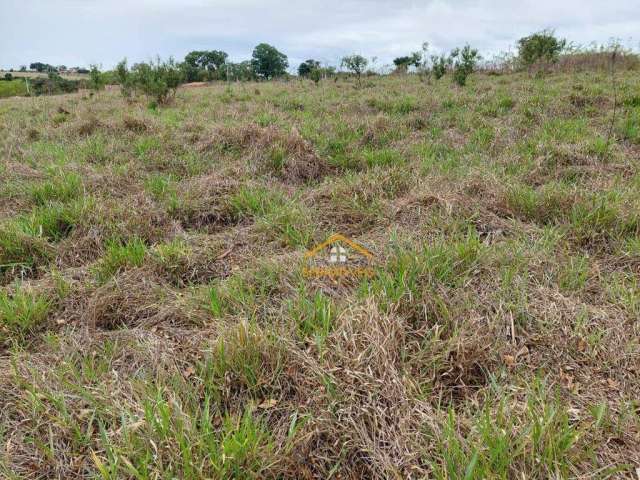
(21, 313)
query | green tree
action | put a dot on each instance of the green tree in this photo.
(440, 65)
(158, 80)
(42, 67)
(209, 62)
(242, 71)
(267, 62)
(464, 62)
(97, 79)
(356, 64)
(124, 78)
(403, 63)
(541, 46)
(306, 67)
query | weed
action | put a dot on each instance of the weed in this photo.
(22, 312)
(119, 256)
(20, 251)
(54, 220)
(64, 187)
(498, 447)
(313, 315)
(384, 157)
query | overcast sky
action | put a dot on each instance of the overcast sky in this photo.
(81, 32)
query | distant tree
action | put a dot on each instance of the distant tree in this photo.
(306, 67)
(158, 80)
(42, 67)
(318, 74)
(207, 61)
(464, 62)
(440, 65)
(315, 75)
(242, 71)
(124, 78)
(267, 62)
(541, 46)
(23, 68)
(423, 67)
(97, 79)
(403, 63)
(356, 64)
(83, 70)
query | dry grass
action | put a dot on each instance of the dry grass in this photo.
(155, 321)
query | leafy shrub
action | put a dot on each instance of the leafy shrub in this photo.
(464, 62)
(8, 77)
(158, 80)
(306, 68)
(440, 65)
(403, 63)
(541, 46)
(240, 71)
(97, 80)
(355, 64)
(318, 74)
(124, 78)
(53, 84)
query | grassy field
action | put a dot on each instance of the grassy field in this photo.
(13, 88)
(155, 322)
(68, 76)
(18, 88)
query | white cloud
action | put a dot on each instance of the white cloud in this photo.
(103, 31)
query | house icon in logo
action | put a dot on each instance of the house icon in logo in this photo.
(344, 258)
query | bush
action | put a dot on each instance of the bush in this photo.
(240, 71)
(403, 63)
(157, 80)
(542, 46)
(53, 84)
(464, 62)
(97, 80)
(8, 77)
(319, 73)
(305, 68)
(124, 78)
(440, 65)
(355, 64)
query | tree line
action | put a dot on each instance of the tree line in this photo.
(159, 79)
